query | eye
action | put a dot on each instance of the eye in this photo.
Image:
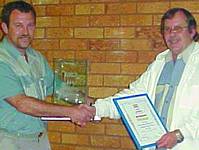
(177, 29)
(167, 29)
(31, 25)
(18, 25)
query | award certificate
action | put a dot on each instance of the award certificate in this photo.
(140, 119)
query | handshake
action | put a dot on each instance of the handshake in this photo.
(78, 114)
(82, 114)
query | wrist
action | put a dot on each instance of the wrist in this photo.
(179, 136)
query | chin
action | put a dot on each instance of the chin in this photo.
(26, 45)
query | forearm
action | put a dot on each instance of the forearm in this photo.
(106, 108)
(35, 107)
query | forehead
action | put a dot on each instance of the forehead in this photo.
(179, 18)
(17, 15)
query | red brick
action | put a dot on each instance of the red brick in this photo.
(95, 80)
(126, 142)
(121, 8)
(105, 68)
(155, 7)
(40, 10)
(47, 22)
(119, 130)
(89, 33)
(190, 5)
(74, 44)
(133, 68)
(59, 33)
(91, 56)
(101, 44)
(54, 137)
(122, 32)
(61, 126)
(75, 21)
(105, 141)
(62, 147)
(104, 20)
(82, 9)
(136, 20)
(121, 56)
(119, 81)
(56, 10)
(45, 2)
(146, 57)
(73, 1)
(136, 44)
(91, 128)
(60, 54)
(45, 44)
(75, 139)
(101, 92)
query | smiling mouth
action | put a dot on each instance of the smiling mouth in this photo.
(24, 37)
(173, 40)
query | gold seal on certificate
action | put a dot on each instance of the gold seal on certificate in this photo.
(140, 119)
(70, 83)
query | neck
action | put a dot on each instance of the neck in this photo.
(22, 51)
(174, 56)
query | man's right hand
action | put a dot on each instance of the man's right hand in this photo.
(81, 114)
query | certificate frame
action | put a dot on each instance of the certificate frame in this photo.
(140, 121)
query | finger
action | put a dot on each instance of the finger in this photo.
(91, 109)
(162, 145)
(90, 112)
(78, 123)
(161, 141)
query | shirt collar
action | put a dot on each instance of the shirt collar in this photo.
(12, 50)
(184, 54)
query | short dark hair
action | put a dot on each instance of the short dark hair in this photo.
(191, 22)
(18, 5)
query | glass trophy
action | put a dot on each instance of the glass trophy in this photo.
(70, 83)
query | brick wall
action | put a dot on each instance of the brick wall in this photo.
(118, 37)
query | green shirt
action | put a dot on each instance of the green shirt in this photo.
(13, 84)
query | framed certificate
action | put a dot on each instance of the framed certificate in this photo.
(140, 119)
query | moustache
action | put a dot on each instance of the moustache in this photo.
(24, 36)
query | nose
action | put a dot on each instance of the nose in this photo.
(172, 30)
(25, 30)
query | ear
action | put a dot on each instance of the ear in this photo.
(193, 32)
(4, 28)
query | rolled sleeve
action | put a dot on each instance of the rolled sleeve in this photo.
(9, 82)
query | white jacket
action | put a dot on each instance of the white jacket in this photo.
(186, 107)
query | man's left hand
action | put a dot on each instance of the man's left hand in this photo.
(168, 140)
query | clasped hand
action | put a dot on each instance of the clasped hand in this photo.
(82, 114)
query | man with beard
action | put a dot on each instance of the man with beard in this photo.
(26, 79)
(172, 82)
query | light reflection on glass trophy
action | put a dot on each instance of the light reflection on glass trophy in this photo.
(70, 84)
